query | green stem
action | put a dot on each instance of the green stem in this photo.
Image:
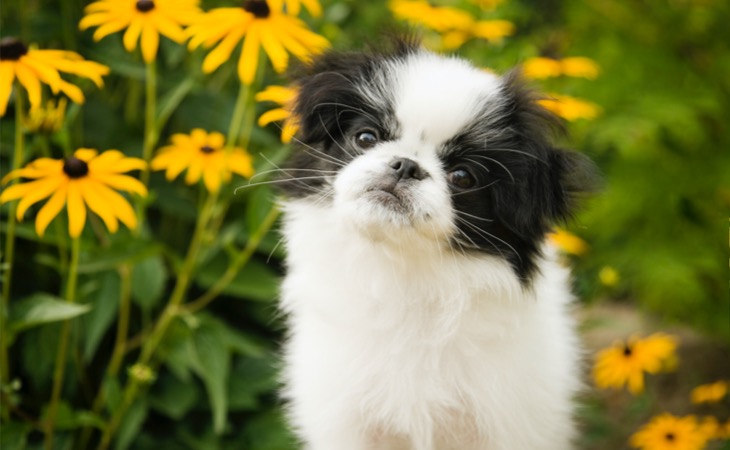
(168, 314)
(60, 369)
(237, 264)
(18, 156)
(151, 133)
(125, 297)
(239, 111)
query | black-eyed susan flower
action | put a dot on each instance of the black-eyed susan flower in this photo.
(292, 7)
(33, 67)
(710, 393)
(87, 179)
(259, 26)
(568, 242)
(145, 21)
(46, 119)
(626, 362)
(284, 96)
(570, 108)
(575, 66)
(204, 156)
(668, 432)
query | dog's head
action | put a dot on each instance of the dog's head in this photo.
(407, 142)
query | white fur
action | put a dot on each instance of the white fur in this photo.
(399, 341)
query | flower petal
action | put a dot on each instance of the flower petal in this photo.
(98, 204)
(249, 59)
(76, 209)
(212, 174)
(168, 28)
(150, 42)
(119, 205)
(132, 34)
(110, 27)
(273, 115)
(223, 51)
(122, 183)
(37, 191)
(51, 209)
(85, 154)
(7, 74)
(195, 169)
(31, 83)
(272, 46)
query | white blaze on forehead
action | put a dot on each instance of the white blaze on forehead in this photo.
(435, 97)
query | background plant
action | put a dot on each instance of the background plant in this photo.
(652, 113)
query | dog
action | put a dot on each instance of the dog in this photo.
(425, 309)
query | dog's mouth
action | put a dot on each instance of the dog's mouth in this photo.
(388, 196)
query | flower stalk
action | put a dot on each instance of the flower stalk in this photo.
(151, 133)
(18, 156)
(60, 368)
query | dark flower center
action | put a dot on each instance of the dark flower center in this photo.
(669, 436)
(258, 8)
(75, 168)
(207, 149)
(627, 350)
(11, 49)
(145, 5)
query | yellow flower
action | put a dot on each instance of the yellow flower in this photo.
(568, 242)
(32, 67)
(609, 276)
(710, 393)
(626, 362)
(46, 120)
(85, 179)
(258, 26)
(668, 432)
(294, 6)
(577, 66)
(284, 96)
(144, 20)
(487, 5)
(490, 30)
(570, 108)
(203, 155)
(437, 18)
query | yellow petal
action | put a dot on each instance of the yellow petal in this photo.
(277, 54)
(51, 209)
(212, 177)
(98, 204)
(199, 137)
(76, 209)
(216, 140)
(288, 131)
(313, 6)
(94, 20)
(132, 34)
(71, 91)
(277, 94)
(122, 183)
(109, 28)
(223, 51)
(37, 191)
(168, 28)
(195, 169)
(45, 71)
(7, 74)
(31, 83)
(249, 59)
(150, 42)
(85, 154)
(119, 205)
(240, 163)
(114, 161)
(273, 116)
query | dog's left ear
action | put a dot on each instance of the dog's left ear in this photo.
(550, 195)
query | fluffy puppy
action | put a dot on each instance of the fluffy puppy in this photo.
(425, 311)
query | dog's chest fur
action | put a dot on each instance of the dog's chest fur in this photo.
(413, 346)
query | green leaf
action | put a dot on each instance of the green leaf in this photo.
(256, 281)
(121, 251)
(173, 398)
(148, 282)
(105, 305)
(69, 419)
(213, 366)
(131, 424)
(261, 200)
(250, 379)
(14, 435)
(112, 392)
(40, 309)
(172, 99)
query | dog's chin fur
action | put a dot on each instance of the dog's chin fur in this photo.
(409, 329)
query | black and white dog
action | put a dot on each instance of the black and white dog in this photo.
(425, 310)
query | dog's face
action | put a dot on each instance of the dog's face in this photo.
(410, 143)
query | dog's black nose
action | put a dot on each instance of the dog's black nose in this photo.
(407, 168)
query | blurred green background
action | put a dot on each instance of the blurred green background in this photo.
(661, 140)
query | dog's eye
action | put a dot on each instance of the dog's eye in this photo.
(366, 139)
(461, 179)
